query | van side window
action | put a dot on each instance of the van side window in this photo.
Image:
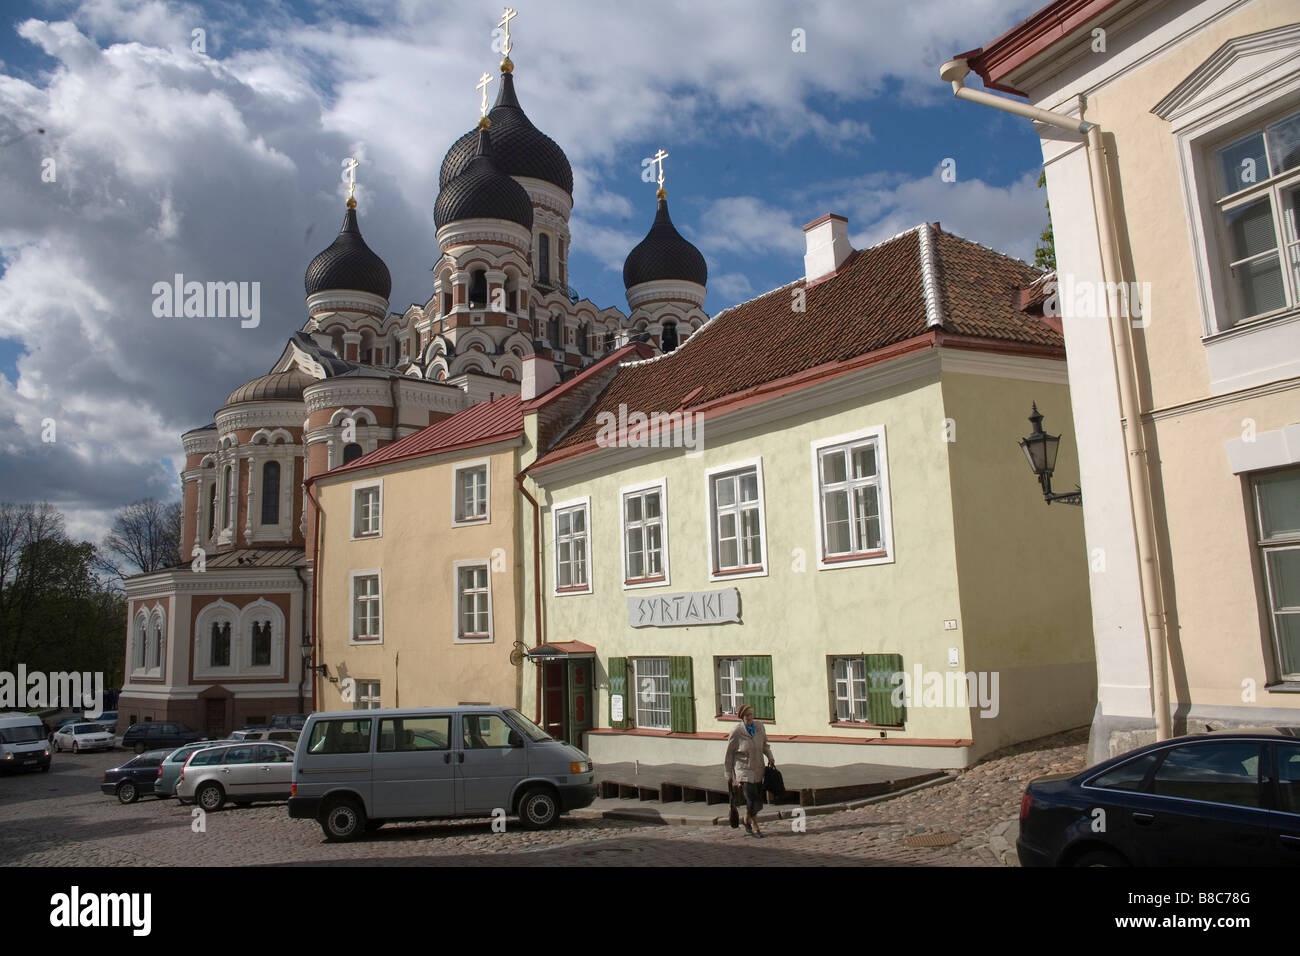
(349, 736)
(485, 730)
(404, 734)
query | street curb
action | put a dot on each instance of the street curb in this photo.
(1002, 841)
(767, 816)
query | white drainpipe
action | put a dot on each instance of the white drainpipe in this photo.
(1139, 474)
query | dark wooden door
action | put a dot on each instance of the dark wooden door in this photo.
(215, 716)
(554, 704)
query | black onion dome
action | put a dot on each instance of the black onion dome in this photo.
(664, 254)
(482, 191)
(521, 148)
(348, 263)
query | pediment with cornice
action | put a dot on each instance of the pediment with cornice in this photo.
(1244, 66)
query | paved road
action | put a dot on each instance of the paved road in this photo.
(60, 818)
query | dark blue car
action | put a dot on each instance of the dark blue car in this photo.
(1224, 799)
(135, 778)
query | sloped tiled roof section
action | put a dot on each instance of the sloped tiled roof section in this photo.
(874, 300)
(479, 424)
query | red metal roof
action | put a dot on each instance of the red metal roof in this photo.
(479, 424)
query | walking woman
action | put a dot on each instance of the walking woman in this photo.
(746, 747)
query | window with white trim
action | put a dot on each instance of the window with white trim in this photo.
(571, 548)
(219, 653)
(736, 520)
(365, 607)
(731, 684)
(473, 603)
(472, 493)
(367, 695)
(849, 495)
(367, 511)
(1277, 508)
(850, 675)
(652, 690)
(644, 535)
(1257, 200)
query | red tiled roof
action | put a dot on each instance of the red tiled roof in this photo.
(479, 424)
(876, 299)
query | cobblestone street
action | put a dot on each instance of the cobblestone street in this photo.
(61, 819)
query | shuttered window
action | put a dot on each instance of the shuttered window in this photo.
(862, 689)
(746, 680)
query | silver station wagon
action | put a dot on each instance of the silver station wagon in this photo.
(353, 770)
(239, 773)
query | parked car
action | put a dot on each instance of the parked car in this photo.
(158, 734)
(169, 771)
(65, 722)
(353, 773)
(83, 736)
(287, 737)
(108, 720)
(135, 778)
(239, 773)
(1223, 799)
(288, 721)
(22, 743)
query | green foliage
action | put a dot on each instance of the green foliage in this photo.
(1045, 254)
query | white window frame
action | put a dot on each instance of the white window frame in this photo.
(576, 504)
(876, 434)
(457, 636)
(660, 485)
(486, 465)
(368, 701)
(737, 682)
(1246, 354)
(377, 574)
(635, 691)
(849, 679)
(356, 489)
(710, 523)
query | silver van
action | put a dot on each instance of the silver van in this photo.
(22, 743)
(355, 770)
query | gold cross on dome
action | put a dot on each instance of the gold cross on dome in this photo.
(658, 158)
(505, 25)
(350, 165)
(483, 82)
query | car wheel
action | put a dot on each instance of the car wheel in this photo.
(343, 819)
(210, 797)
(127, 792)
(58, 747)
(75, 749)
(538, 808)
(1101, 858)
(139, 747)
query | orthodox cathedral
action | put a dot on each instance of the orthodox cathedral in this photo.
(222, 640)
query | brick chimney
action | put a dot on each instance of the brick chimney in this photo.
(828, 246)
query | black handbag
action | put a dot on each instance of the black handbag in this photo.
(773, 782)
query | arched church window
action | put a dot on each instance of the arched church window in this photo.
(271, 492)
(555, 332)
(220, 656)
(544, 259)
(609, 341)
(351, 452)
(261, 643)
(227, 514)
(668, 337)
(212, 509)
(478, 288)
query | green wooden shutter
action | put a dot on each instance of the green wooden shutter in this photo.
(682, 695)
(881, 669)
(618, 668)
(759, 692)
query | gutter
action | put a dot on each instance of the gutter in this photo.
(316, 567)
(537, 586)
(1126, 373)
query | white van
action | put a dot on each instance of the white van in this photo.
(355, 770)
(22, 743)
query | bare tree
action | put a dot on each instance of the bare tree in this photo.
(147, 534)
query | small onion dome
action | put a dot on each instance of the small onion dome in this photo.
(277, 386)
(348, 263)
(521, 148)
(664, 254)
(483, 191)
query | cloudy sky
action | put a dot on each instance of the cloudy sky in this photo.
(217, 155)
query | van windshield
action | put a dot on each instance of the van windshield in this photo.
(530, 729)
(21, 735)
